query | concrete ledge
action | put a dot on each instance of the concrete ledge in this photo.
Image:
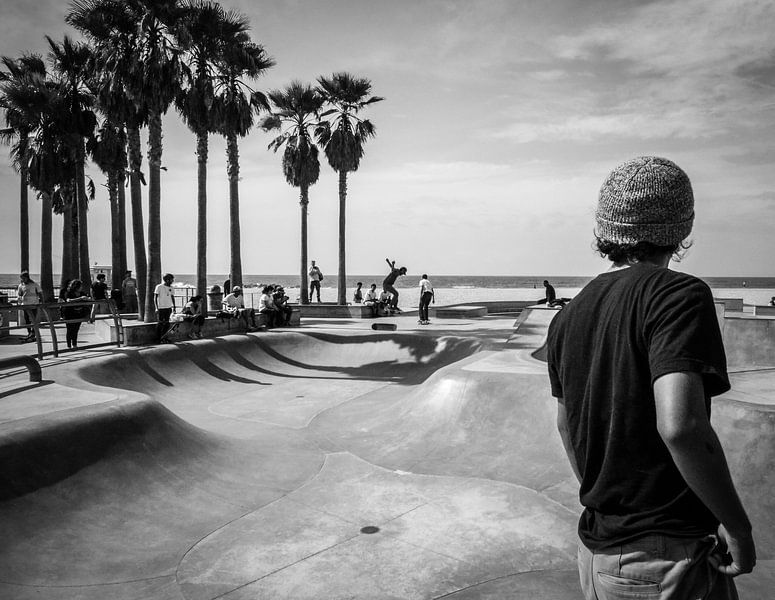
(734, 304)
(142, 334)
(460, 312)
(764, 310)
(322, 310)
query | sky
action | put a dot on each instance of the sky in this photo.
(500, 121)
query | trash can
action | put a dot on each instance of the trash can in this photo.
(215, 296)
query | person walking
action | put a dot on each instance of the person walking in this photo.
(28, 296)
(388, 284)
(426, 297)
(315, 277)
(129, 293)
(165, 305)
(99, 293)
(633, 362)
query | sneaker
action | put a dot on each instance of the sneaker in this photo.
(421, 322)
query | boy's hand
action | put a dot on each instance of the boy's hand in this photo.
(735, 555)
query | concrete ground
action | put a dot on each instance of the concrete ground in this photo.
(327, 461)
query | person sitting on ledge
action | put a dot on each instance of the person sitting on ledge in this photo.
(234, 305)
(267, 307)
(551, 296)
(192, 313)
(371, 299)
(280, 301)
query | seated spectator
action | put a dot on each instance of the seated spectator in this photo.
(192, 313)
(284, 311)
(234, 305)
(267, 307)
(372, 298)
(384, 304)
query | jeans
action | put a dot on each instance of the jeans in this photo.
(425, 302)
(394, 294)
(654, 567)
(314, 285)
(163, 316)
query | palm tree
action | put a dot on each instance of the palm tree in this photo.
(46, 156)
(297, 107)
(108, 151)
(342, 138)
(112, 26)
(234, 108)
(206, 30)
(71, 61)
(22, 71)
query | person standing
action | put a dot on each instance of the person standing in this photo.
(426, 297)
(129, 293)
(99, 293)
(28, 296)
(358, 293)
(633, 362)
(315, 277)
(388, 284)
(76, 314)
(165, 304)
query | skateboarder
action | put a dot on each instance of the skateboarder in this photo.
(388, 283)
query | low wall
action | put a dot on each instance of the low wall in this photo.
(749, 341)
(143, 334)
(324, 310)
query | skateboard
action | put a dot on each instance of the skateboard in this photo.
(383, 326)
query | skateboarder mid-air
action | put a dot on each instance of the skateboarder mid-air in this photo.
(388, 283)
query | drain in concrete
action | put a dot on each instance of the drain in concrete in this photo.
(370, 529)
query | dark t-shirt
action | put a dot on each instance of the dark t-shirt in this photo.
(391, 279)
(99, 290)
(605, 349)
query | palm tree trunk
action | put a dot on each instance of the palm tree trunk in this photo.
(24, 209)
(201, 224)
(154, 211)
(46, 267)
(73, 224)
(115, 236)
(342, 284)
(83, 227)
(67, 245)
(232, 168)
(304, 282)
(122, 261)
(138, 234)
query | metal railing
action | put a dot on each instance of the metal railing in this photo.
(47, 316)
(30, 363)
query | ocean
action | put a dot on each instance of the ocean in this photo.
(455, 289)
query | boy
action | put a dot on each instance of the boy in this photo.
(633, 362)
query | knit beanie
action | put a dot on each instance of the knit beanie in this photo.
(646, 199)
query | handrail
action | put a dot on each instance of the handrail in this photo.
(24, 361)
(42, 318)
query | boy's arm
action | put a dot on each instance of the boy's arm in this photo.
(390, 264)
(562, 427)
(682, 422)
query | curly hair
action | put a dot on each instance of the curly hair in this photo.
(638, 252)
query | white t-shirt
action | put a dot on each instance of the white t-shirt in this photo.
(233, 302)
(371, 296)
(425, 286)
(164, 296)
(29, 293)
